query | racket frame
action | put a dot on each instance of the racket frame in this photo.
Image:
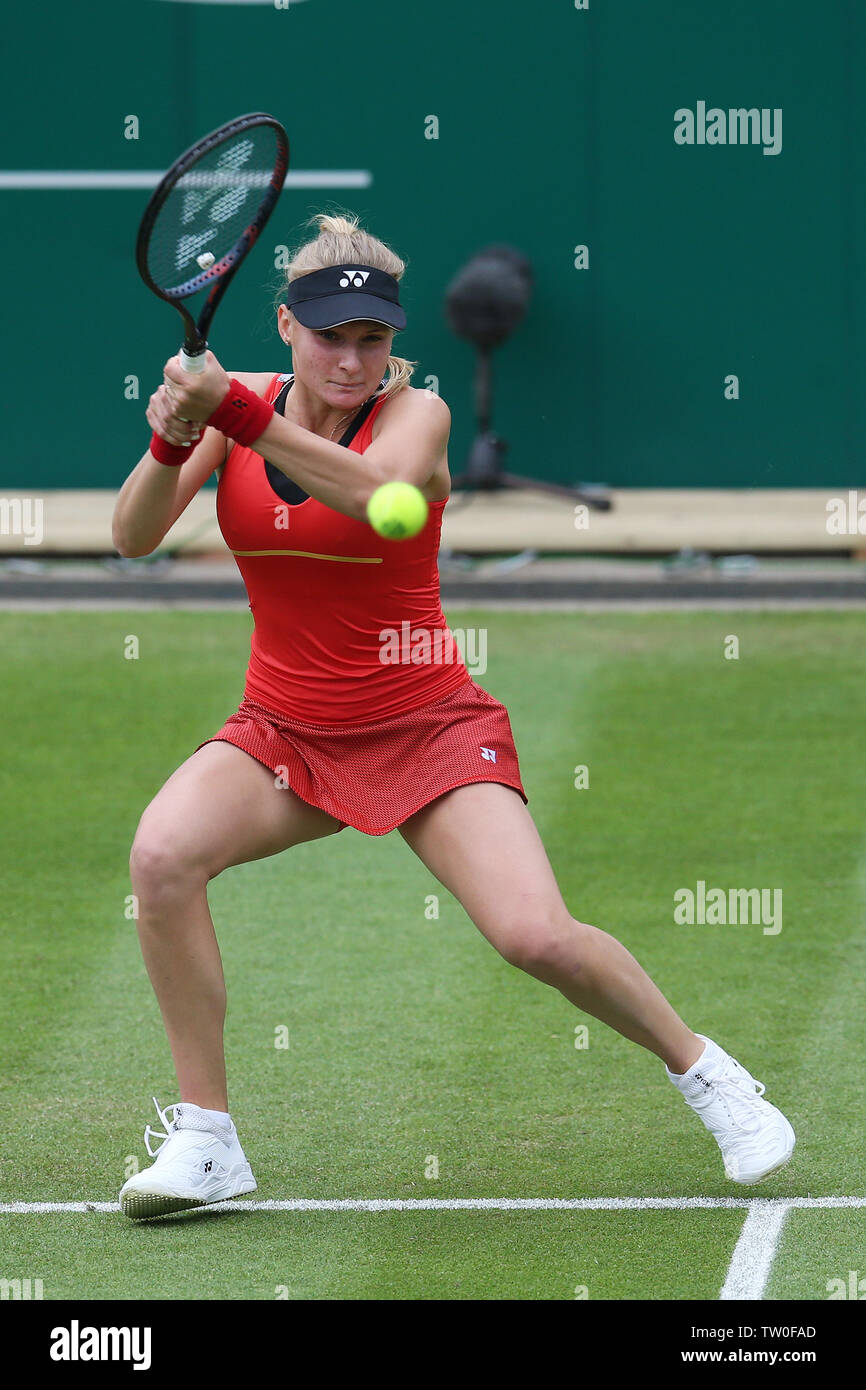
(219, 275)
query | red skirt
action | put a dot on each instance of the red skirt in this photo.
(374, 775)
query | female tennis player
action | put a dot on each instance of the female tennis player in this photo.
(329, 736)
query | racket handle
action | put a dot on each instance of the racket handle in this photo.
(195, 363)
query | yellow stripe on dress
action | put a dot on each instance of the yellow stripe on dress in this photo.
(312, 555)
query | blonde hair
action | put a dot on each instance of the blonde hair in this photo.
(342, 241)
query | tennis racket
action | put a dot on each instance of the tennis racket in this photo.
(205, 216)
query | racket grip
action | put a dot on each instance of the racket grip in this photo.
(195, 363)
(192, 362)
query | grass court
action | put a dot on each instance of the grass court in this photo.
(419, 1065)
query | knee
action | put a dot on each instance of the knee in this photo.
(161, 866)
(545, 947)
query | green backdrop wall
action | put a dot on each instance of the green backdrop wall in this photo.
(556, 130)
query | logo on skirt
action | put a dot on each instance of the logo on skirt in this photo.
(489, 754)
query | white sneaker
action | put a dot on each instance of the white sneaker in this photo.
(755, 1138)
(199, 1162)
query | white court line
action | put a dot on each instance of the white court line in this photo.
(747, 1273)
(149, 178)
(376, 1204)
(755, 1251)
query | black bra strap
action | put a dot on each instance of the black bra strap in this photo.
(284, 487)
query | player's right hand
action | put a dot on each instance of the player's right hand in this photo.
(164, 421)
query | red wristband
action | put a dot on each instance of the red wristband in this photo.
(172, 454)
(241, 415)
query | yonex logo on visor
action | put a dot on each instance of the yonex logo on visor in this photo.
(344, 294)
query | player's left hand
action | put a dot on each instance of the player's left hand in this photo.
(195, 396)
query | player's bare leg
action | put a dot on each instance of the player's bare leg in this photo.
(221, 807)
(482, 844)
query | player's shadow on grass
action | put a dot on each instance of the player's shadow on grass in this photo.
(209, 1213)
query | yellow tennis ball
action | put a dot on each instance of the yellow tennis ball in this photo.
(397, 511)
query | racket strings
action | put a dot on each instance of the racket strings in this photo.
(209, 207)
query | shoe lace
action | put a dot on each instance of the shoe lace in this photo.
(151, 1133)
(738, 1088)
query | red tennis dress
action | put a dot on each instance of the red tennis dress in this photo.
(356, 693)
